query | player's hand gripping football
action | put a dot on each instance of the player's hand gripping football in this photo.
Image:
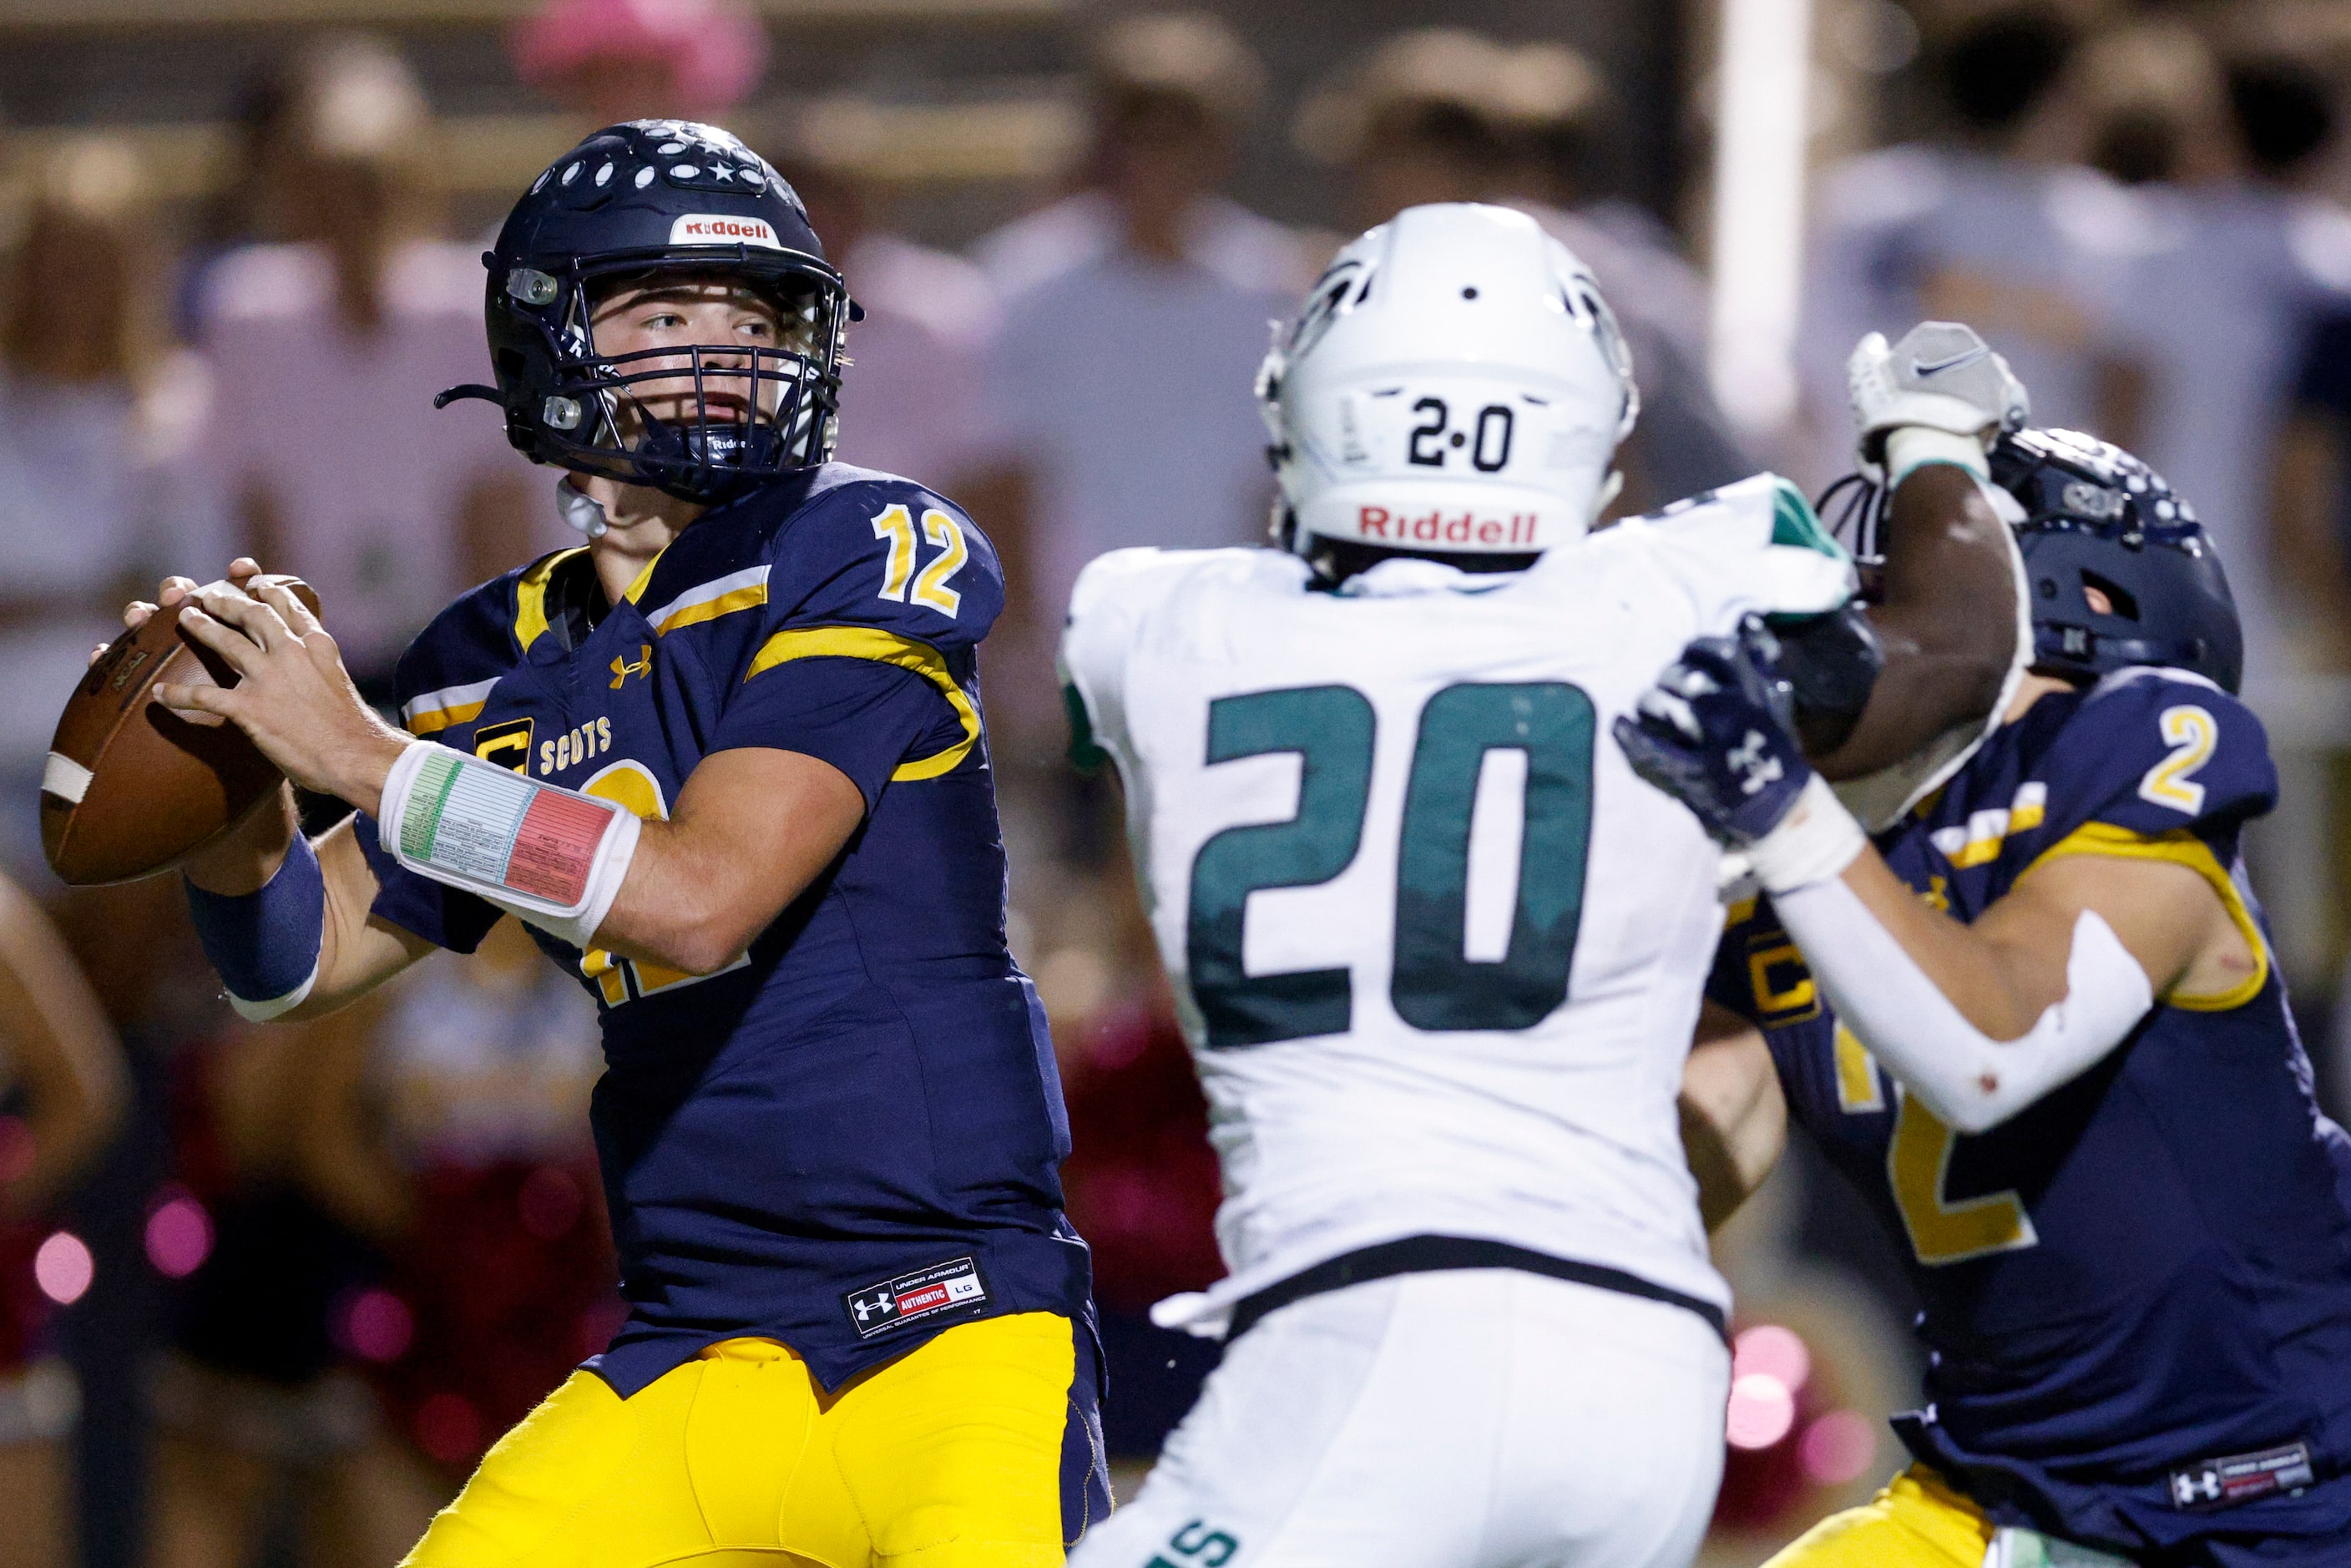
(293, 697)
(1718, 733)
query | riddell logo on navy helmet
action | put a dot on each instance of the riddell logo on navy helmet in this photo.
(717, 228)
(1464, 530)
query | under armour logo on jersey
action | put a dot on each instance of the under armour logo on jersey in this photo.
(942, 1287)
(1749, 760)
(2240, 1478)
(622, 669)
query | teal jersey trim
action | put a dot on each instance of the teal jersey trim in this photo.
(1795, 523)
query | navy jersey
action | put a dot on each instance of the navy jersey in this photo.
(851, 1137)
(2150, 1267)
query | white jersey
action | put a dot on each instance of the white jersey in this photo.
(1437, 950)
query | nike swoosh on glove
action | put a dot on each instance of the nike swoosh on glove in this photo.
(1717, 732)
(1940, 376)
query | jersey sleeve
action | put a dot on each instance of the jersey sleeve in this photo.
(2159, 752)
(1754, 547)
(441, 684)
(1726, 983)
(2157, 764)
(878, 594)
(1107, 607)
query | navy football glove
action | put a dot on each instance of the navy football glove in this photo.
(1718, 733)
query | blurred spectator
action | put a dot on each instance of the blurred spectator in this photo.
(1994, 228)
(617, 60)
(1443, 115)
(913, 396)
(325, 453)
(1135, 313)
(238, 212)
(93, 408)
(411, 1253)
(2242, 269)
(62, 1084)
(2234, 308)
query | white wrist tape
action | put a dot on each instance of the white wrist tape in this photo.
(1971, 1082)
(554, 857)
(1913, 446)
(1814, 843)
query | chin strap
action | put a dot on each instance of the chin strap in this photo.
(1609, 489)
(581, 511)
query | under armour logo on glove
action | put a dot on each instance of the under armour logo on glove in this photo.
(1754, 764)
(1717, 732)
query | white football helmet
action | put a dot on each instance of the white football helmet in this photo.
(1454, 384)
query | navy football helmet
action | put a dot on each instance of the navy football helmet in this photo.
(629, 203)
(2102, 528)
(2099, 526)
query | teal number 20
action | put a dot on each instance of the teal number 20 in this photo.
(1331, 729)
(1434, 986)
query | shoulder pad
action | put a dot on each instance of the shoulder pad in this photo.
(1114, 594)
(1755, 546)
(871, 548)
(1759, 510)
(444, 674)
(2158, 750)
(844, 547)
(1127, 582)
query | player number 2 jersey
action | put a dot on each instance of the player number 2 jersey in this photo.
(2137, 1292)
(1435, 947)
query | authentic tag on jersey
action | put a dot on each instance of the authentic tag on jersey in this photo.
(2240, 1478)
(878, 1309)
(494, 826)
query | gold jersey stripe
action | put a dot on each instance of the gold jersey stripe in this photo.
(746, 590)
(886, 648)
(429, 713)
(2181, 848)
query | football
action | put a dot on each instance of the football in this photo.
(131, 788)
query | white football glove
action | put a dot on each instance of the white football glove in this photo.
(1941, 378)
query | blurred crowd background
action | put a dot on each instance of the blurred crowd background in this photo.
(266, 1295)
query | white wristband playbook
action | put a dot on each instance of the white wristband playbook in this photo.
(552, 856)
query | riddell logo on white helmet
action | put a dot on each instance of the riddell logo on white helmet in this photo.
(1463, 530)
(717, 228)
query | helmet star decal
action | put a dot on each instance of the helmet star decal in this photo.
(631, 206)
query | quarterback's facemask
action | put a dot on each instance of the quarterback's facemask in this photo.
(1454, 385)
(641, 206)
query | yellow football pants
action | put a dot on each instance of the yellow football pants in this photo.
(946, 1457)
(1916, 1522)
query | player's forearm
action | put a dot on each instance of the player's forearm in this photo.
(1975, 976)
(246, 857)
(1734, 1118)
(296, 944)
(1952, 1014)
(356, 952)
(686, 908)
(754, 829)
(1947, 621)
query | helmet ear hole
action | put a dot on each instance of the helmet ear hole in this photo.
(2108, 597)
